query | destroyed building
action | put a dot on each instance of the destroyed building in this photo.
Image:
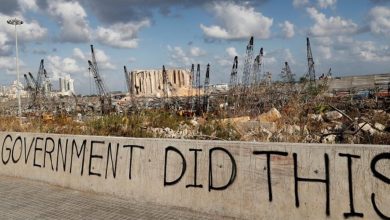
(149, 83)
(66, 85)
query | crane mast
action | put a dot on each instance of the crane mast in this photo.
(198, 89)
(165, 82)
(287, 75)
(233, 74)
(311, 74)
(247, 65)
(128, 81)
(206, 90)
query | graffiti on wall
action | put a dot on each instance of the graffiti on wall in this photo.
(60, 154)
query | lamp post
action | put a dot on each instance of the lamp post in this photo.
(16, 22)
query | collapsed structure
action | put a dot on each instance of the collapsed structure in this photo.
(150, 83)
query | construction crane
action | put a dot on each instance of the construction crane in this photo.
(233, 75)
(260, 65)
(191, 83)
(29, 85)
(128, 80)
(198, 89)
(248, 63)
(41, 75)
(311, 74)
(191, 100)
(329, 74)
(33, 80)
(40, 86)
(286, 73)
(105, 99)
(232, 96)
(256, 69)
(206, 90)
(165, 83)
(192, 75)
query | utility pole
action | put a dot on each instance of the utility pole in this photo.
(16, 22)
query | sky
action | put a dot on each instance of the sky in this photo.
(350, 36)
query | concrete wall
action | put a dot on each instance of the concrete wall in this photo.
(306, 181)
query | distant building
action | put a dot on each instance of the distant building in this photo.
(362, 82)
(11, 92)
(66, 85)
(220, 87)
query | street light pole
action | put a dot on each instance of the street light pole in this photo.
(16, 22)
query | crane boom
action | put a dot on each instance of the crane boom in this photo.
(233, 75)
(40, 75)
(105, 98)
(33, 80)
(96, 75)
(29, 84)
(206, 89)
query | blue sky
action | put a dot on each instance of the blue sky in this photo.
(349, 36)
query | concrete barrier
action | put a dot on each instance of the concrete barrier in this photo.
(240, 179)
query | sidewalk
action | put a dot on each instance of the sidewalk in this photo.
(26, 199)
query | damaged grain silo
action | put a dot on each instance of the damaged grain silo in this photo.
(149, 83)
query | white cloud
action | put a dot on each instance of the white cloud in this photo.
(326, 3)
(79, 54)
(5, 47)
(103, 60)
(380, 20)
(300, 3)
(269, 60)
(288, 29)
(330, 26)
(325, 52)
(231, 51)
(8, 63)
(346, 49)
(237, 22)
(223, 61)
(77, 65)
(288, 56)
(178, 56)
(29, 31)
(74, 26)
(28, 5)
(62, 66)
(72, 19)
(368, 51)
(121, 35)
(197, 52)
